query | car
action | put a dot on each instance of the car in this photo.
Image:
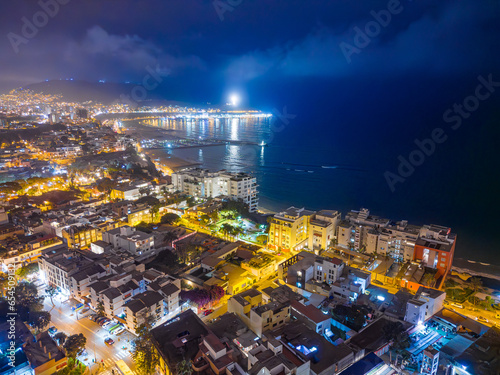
(458, 305)
(119, 330)
(208, 312)
(482, 319)
(102, 321)
(109, 341)
(52, 330)
(114, 327)
(108, 324)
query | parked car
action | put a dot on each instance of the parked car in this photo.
(52, 330)
(109, 341)
(119, 330)
(113, 327)
(482, 319)
(208, 312)
(458, 305)
(108, 324)
(102, 321)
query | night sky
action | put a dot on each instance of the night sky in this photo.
(363, 108)
(215, 47)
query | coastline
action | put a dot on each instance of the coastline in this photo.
(474, 268)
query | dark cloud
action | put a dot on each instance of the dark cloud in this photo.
(117, 40)
(452, 40)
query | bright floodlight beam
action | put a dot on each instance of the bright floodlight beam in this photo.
(235, 99)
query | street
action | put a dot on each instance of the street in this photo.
(64, 319)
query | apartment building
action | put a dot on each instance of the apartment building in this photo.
(142, 306)
(351, 284)
(305, 267)
(80, 280)
(55, 266)
(29, 253)
(202, 183)
(311, 317)
(289, 230)
(328, 270)
(72, 271)
(239, 186)
(138, 215)
(431, 245)
(263, 317)
(435, 248)
(216, 353)
(125, 192)
(131, 240)
(80, 237)
(323, 229)
(424, 305)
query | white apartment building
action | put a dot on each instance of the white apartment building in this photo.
(70, 271)
(130, 239)
(80, 280)
(202, 183)
(328, 270)
(140, 307)
(373, 234)
(55, 266)
(424, 305)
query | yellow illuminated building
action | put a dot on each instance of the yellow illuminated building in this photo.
(289, 230)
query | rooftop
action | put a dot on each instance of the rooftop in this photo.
(180, 339)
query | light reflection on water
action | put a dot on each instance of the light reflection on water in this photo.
(235, 129)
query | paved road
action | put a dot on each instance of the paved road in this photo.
(475, 312)
(64, 319)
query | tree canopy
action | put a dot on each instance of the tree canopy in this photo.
(75, 345)
(204, 297)
(170, 218)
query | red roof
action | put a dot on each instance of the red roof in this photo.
(309, 311)
(337, 261)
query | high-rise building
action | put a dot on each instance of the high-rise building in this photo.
(202, 183)
(289, 230)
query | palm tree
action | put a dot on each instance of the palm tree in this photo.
(51, 292)
(226, 229)
(475, 283)
(169, 237)
(236, 231)
(154, 212)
